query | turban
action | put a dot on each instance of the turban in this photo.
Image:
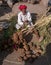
(21, 7)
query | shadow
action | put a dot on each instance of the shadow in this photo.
(49, 12)
(42, 60)
(28, 37)
(3, 55)
(4, 10)
(29, 61)
(48, 53)
(49, 3)
(6, 45)
(6, 48)
(15, 1)
(5, 20)
(4, 24)
(34, 17)
(37, 2)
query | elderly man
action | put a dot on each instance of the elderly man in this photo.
(24, 17)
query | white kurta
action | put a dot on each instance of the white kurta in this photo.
(22, 18)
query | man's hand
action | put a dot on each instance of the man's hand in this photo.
(25, 23)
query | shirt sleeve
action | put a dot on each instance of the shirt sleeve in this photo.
(19, 20)
(30, 18)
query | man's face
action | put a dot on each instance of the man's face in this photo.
(24, 11)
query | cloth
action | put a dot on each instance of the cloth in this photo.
(22, 18)
(21, 7)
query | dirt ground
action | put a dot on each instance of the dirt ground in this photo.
(10, 58)
(7, 13)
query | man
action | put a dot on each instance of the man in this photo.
(24, 17)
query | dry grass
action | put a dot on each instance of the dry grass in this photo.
(43, 26)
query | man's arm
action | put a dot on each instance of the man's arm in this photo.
(30, 19)
(19, 20)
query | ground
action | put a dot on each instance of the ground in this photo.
(10, 58)
(6, 12)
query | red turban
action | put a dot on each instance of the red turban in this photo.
(21, 7)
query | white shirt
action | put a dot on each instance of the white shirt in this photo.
(22, 18)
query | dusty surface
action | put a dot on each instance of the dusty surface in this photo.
(10, 58)
(7, 13)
